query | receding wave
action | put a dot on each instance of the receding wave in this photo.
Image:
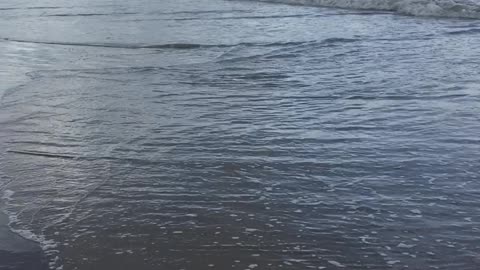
(436, 8)
(88, 14)
(20, 8)
(462, 32)
(240, 17)
(115, 45)
(41, 154)
(184, 46)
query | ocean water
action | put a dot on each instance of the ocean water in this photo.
(210, 134)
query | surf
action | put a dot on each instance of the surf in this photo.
(465, 9)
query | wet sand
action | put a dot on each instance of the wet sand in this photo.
(17, 253)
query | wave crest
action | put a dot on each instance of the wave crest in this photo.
(436, 8)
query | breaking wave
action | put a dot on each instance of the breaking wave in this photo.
(437, 8)
(178, 46)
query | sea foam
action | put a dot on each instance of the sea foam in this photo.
(48, 246)
(437, 8)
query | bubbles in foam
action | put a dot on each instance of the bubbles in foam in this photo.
(436, 8)
(48, 246)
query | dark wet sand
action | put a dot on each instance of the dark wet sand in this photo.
(17, 253)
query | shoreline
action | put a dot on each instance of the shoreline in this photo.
(18, 253)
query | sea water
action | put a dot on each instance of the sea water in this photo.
(215, 134)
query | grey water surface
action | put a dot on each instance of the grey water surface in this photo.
(210, 134)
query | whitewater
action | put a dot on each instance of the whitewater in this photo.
(437, 8)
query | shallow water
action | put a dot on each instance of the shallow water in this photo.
(216, 134)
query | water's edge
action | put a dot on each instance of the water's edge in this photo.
(17, 252)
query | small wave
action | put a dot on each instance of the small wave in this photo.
(40, 154)
(88, 14)
(197, 46)
(339, 40)
(465, 32)
(241, 17)
(180, 46)
(436, 8)
(119, 45)
(26, 8)
(200, 12)
(113, 45)
(287, 49)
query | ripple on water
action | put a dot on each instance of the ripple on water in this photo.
(243, 137)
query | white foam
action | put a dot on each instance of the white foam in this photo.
(416, 211)
(403, 245)
(437, 8)
(7, 194)
(48, 246)
(14, 224)
(337, 264)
